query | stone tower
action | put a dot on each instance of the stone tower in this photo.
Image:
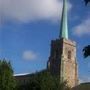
(62, 60)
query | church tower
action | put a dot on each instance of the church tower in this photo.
(62, 60)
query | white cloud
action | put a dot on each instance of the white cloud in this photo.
(28, 10)
(29, 55)
(89, 65)
(83, 28)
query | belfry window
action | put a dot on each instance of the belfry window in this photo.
(69, 54)
(57, 53)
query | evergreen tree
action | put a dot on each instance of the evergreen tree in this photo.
(7, 81)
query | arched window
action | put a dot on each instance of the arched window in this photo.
(69, 54)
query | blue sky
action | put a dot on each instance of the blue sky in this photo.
(28, 26)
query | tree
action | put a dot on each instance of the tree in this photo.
(7, 81)
(86, 51)
(86, 1)
(45, 81)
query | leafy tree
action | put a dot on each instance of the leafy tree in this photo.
(86, 51)
(45, 81)
(7, 81)
(86, 1)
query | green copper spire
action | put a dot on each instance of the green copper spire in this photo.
(64, 25)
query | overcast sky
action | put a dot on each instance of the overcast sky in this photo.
(28, 26)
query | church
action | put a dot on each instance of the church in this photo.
(62, 61)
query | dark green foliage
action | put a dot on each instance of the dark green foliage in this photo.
(7, 81)
(45, 81)
(86, 51)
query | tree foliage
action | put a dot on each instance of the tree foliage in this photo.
(86, 1)
(86, 51)
(45, 81)
(7, 81)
